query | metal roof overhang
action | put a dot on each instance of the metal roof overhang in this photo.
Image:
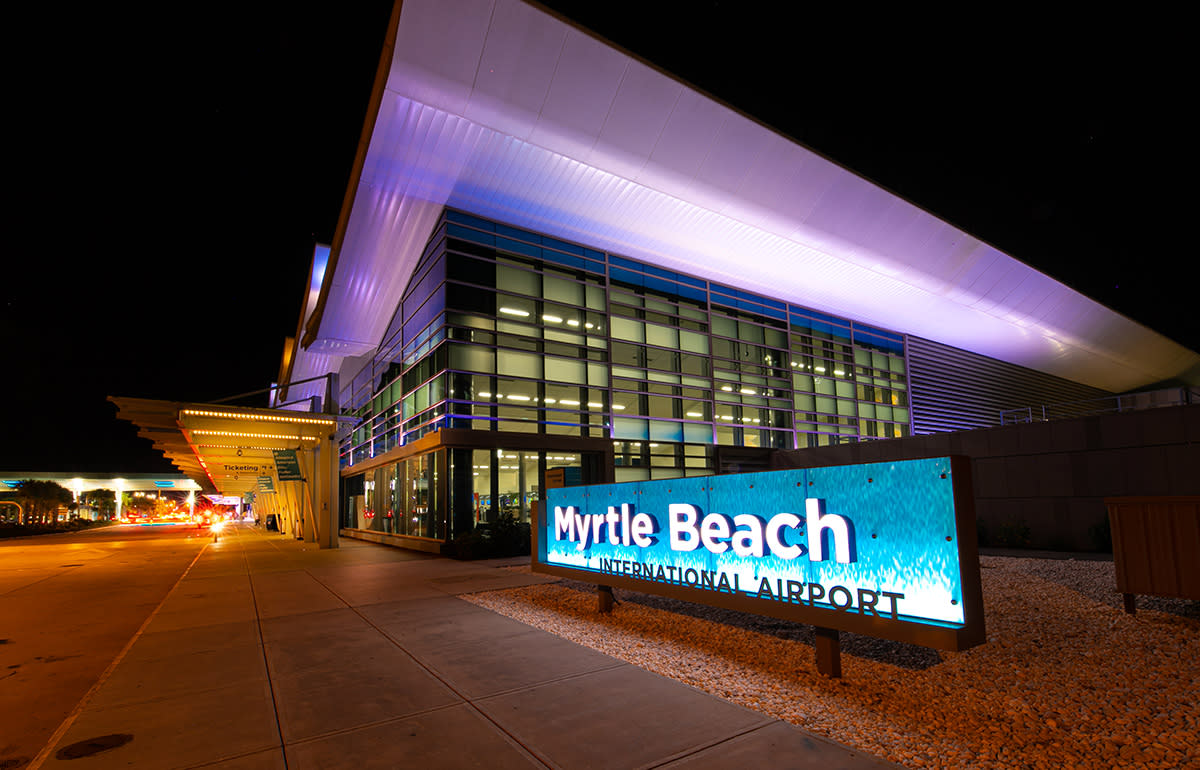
(499, 108)
(224, 449)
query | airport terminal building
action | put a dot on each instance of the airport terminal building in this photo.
(554, 256)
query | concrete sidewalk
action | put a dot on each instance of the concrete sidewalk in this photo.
(269, 653)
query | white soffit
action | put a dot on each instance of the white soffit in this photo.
(500, 109)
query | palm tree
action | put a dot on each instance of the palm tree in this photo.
(42, 499)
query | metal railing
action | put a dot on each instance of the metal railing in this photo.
(1128, 402)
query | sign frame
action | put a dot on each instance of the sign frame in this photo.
(952, 637)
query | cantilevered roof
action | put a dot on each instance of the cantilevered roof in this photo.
(224, 449)
(499, 108)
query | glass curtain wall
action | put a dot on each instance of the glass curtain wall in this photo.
(507, 330)
(486, 484)
(397, 498)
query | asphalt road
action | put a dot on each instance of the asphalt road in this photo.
(69, 605)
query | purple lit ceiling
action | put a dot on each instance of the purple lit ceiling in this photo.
(500, 109)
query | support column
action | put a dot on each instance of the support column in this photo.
(273, 507)
(328, 492)
(297, 491)
(325, 491)
(829, 652)
(288, 519)
(311, 529)
(604, 599)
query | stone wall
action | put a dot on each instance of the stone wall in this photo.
(1042, 485)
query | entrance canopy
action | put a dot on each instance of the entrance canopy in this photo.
(225, 450)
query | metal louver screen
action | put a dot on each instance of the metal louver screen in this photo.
(952, 389)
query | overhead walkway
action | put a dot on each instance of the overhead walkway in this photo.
(272, 653)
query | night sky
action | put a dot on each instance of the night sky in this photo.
(172, 171)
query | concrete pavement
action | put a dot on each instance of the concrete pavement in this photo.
(269, 653)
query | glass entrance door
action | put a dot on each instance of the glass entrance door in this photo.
(518, 483)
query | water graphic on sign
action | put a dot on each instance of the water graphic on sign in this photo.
(876, 539)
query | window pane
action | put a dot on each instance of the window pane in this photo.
(520, 364)
(697, 434)
(630, 331)
(518, 281)
(661, 359)
(661, 430)
(628, 428)
(562, 290)
(627, 404)
(514, 308)
(566, 370)
(472, 358)
(632, 474)
(693, 342)
(748, 332)
(663, 336)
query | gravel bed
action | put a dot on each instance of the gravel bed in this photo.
(1065, 680)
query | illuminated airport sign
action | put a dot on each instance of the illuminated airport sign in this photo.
(885, 549)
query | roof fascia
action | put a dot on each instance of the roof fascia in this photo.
(313, 325)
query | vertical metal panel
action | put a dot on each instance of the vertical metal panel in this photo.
(953, 389)
(1155, 545)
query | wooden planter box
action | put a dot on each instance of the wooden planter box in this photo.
(1156, 546)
